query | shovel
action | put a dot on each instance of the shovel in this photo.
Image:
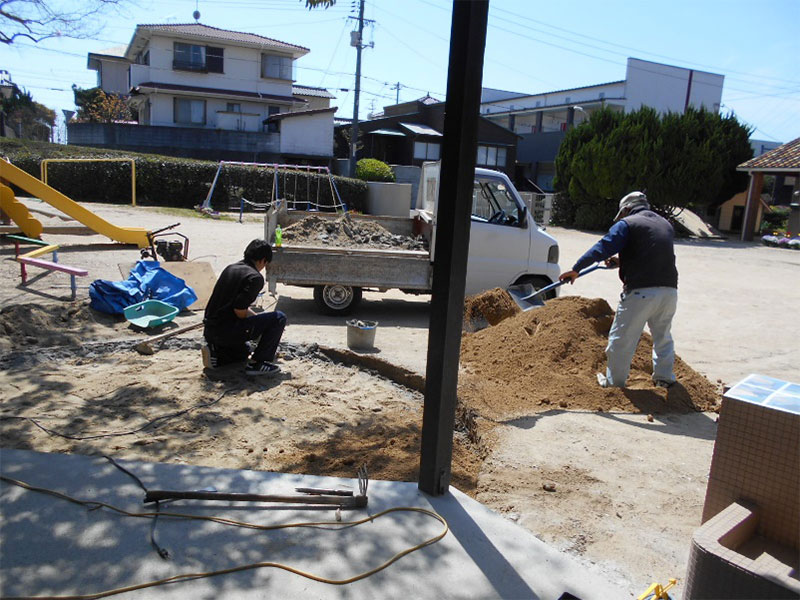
(528, 301)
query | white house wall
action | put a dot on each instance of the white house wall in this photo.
(113, 76)
(241, 66)
(308, 135)
(664, 87)
(217, 116)
(568, 97)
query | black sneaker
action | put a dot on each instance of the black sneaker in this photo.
(209, 354)
(663, 384)
(262, 368)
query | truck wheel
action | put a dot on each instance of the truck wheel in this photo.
(337, 299)
(538, 282)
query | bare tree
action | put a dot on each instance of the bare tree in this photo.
(39, 20)
(323, 3)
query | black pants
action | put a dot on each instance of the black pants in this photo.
(229, 342)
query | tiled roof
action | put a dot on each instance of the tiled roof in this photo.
(116, 51)
(304, 90)
(192, 89)
(300, 113)
(200, 30)
(786, 157)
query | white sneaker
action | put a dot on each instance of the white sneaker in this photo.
(210, 360)
(602, 380)
(263, 367)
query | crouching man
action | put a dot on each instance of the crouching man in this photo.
(230, 322)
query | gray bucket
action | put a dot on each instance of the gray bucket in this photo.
(361, 334)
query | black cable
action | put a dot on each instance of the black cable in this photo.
(119, 433)
(162, 552)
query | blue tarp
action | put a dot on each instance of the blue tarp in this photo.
(147, 280)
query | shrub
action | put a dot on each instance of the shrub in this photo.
(775, 219)
(171, 181)
(371, 169)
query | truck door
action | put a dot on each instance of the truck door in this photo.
(499, 240)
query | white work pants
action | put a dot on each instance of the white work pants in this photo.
(655, 307)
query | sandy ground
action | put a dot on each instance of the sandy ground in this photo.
(627, 488)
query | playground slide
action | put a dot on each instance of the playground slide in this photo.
(35, 187)
(30, 225)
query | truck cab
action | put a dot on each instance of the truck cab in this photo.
(506, 246)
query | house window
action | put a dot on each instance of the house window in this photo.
(191, 57)
(189, 112)
(214, 59)
(276, 66)
(426, 151)
(273, 126)
(233, 107)
(491, 156)
(143, 58)
(602, 95)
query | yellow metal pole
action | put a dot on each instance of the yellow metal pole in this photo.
(133, 182)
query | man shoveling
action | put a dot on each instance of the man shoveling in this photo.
(644, 242)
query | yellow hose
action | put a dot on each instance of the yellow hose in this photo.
(230, 522)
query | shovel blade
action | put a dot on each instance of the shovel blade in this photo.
(525, 296)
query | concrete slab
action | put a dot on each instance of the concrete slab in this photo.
(53, 547)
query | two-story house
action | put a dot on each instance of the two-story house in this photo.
(205, 92)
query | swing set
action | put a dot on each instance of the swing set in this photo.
(285, 186)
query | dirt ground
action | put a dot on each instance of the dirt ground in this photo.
(616, 478)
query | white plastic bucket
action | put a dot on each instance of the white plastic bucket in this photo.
(361, 334)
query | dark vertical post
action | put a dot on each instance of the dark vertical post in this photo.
(752, 205)
(354, 128)
(688, 91)
(467, 42)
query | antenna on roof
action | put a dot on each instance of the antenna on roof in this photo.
(196, 13)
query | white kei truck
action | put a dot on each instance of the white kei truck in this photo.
(506, 248)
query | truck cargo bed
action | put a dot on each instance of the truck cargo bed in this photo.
(357, 267)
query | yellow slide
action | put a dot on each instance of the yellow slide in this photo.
(31, 226)
(15, 175)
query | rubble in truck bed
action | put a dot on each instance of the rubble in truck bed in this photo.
(344, 232)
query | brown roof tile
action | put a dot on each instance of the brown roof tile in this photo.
(198, 29)
(786, 157)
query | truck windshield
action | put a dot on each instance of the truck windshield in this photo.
(492, 202)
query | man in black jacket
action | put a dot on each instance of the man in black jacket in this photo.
(230, 322)
(644, 242)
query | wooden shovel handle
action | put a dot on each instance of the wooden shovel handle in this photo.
(184, 329)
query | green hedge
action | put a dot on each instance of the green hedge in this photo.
(175, 182)
(372, 169)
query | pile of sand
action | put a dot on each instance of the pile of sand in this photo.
(52, 325)
(345, 232)
(547, 358)
(488, 308)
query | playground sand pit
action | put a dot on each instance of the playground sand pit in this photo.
(319, 417)
(345, 232)
(68, 324)
(322, 416)
(548, 357)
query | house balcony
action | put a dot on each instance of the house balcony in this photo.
(187, 142)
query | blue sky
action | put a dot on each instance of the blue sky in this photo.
(532, 46)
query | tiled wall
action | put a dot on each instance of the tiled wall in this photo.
(757, 458)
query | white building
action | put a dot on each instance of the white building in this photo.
(192, 76)
(543, 119)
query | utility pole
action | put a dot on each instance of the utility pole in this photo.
(354, 131)
(397, 87)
